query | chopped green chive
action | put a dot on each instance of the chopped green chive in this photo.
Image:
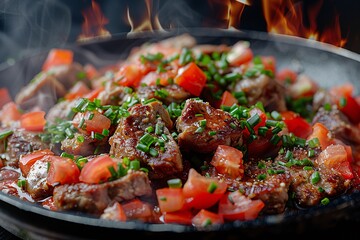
(174, 183)
(134, 165)
(315, 177)
(325, 201)
(5, 134)
(212, 187)
(261, 176)
(342, 102)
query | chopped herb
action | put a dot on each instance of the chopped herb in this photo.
(261, 176)
(342, 102)
(325, 201)
(212, 187)
(261, 165)
(134, 165)
(67, 155)
(174, 183)
(315, 177)
(5, 134)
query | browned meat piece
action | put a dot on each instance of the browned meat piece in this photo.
(68, 75)
(113, 94)
(43, 91)
(95, 198)
(264, 89)
(85, 148)
(23, 142)
(272, 189)
(8, 174)
(168, 94)
(10, 187)
(36, 184)
(62, 110)
(339, 125)
(310, 194)
(202, 128)
(320, 98)
(129, 131)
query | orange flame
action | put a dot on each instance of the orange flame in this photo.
(228, 11)
(94, 22)
(143, 20)
(285, 17)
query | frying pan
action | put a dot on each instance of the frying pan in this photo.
(327, 65)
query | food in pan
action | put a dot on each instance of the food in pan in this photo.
(178, 133)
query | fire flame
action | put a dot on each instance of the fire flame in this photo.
(285, 17)
(281, 17)
(143, 20)
(94, 22)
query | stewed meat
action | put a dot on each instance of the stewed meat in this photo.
(202, 128)
(95, 198)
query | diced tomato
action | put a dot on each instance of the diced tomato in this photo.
(343, 96)
(62, 171)
(322, 133)
(240, 54)
(262, 147)
(296, 124)
(202, 192)
(179, 217)
(286, 75)
(94, 93)
(227, 99)
(10, 112)
(205, 218)
(58, 57)
(4, 97)
(93, 121)
(114, 212)
(191, 78)
(27, 160)
(236, 206)
(33, 121)
(336, 157)
(129, 75)
(153, 78)
(97, 170)
(137, 209)
(261, 123)
(78, 90)
(269, 63)
(228, 161)
(170, 199)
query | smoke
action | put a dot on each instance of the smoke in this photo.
(27, 26)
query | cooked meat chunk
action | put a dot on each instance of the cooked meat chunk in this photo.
(43, 91)
(202, 128)
(68, 75)
(95, 198)
(8, 174)
(263, 89)
(23, 142)
(36, 184)
(61, 111)
(163, 160)
(113, 94)
(168, 94)
(86, 147)
(339, 125)
(308, 193)
(272, 188)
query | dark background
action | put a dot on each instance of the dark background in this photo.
(27, 25)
